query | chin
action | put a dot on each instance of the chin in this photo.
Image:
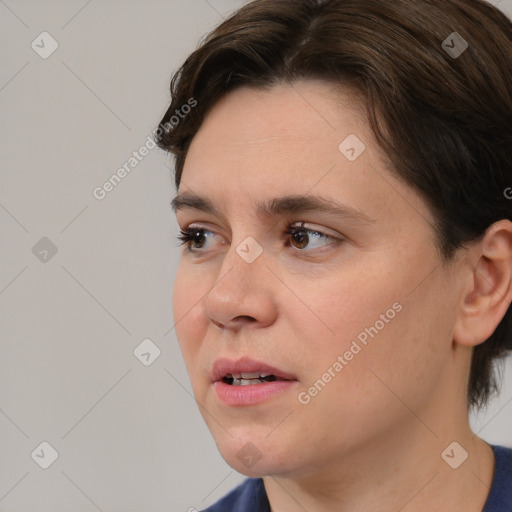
(248, 463)
(254, 455)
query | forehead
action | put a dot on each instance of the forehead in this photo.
(302, 118)
(259, 144)
(273, 136)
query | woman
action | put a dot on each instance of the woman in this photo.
(344, 289)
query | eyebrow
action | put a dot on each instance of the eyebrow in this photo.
(276, 206)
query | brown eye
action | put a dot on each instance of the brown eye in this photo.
(197, 237)
(300, 238)
(193, 237)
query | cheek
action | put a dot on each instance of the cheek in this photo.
(351, 301)
(355, 327)
(385, 331)
(394, 366)
(408, 356)
(188, 317)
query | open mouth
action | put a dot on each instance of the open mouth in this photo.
(249, 379)
(246, 382)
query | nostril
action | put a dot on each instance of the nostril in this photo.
(245, 318)
(236, 322)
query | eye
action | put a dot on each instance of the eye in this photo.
(195, 237)
(303, 236)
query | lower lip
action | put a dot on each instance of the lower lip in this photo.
(252, 394)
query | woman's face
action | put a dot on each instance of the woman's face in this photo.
(360, 325)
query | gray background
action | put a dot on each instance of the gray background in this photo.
(129, 436)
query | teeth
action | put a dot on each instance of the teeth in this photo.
(246, 382)
(247, 375)
(254, 375)
(248, 378)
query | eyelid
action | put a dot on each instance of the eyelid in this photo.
(308, 226)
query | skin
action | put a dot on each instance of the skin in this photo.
(372, 438)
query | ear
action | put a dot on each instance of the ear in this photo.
(488, 285)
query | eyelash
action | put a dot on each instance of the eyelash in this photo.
(186, 236)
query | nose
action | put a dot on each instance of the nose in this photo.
(244, 294)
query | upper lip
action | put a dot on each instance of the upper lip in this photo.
(223, 367)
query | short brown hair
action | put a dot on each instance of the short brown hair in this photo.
(444, 119)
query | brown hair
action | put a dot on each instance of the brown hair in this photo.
(444, 119)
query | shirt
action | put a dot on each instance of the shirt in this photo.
(250, 495)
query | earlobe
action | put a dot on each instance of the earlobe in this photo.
(488, 291)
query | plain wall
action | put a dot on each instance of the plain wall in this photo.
(129, 437)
